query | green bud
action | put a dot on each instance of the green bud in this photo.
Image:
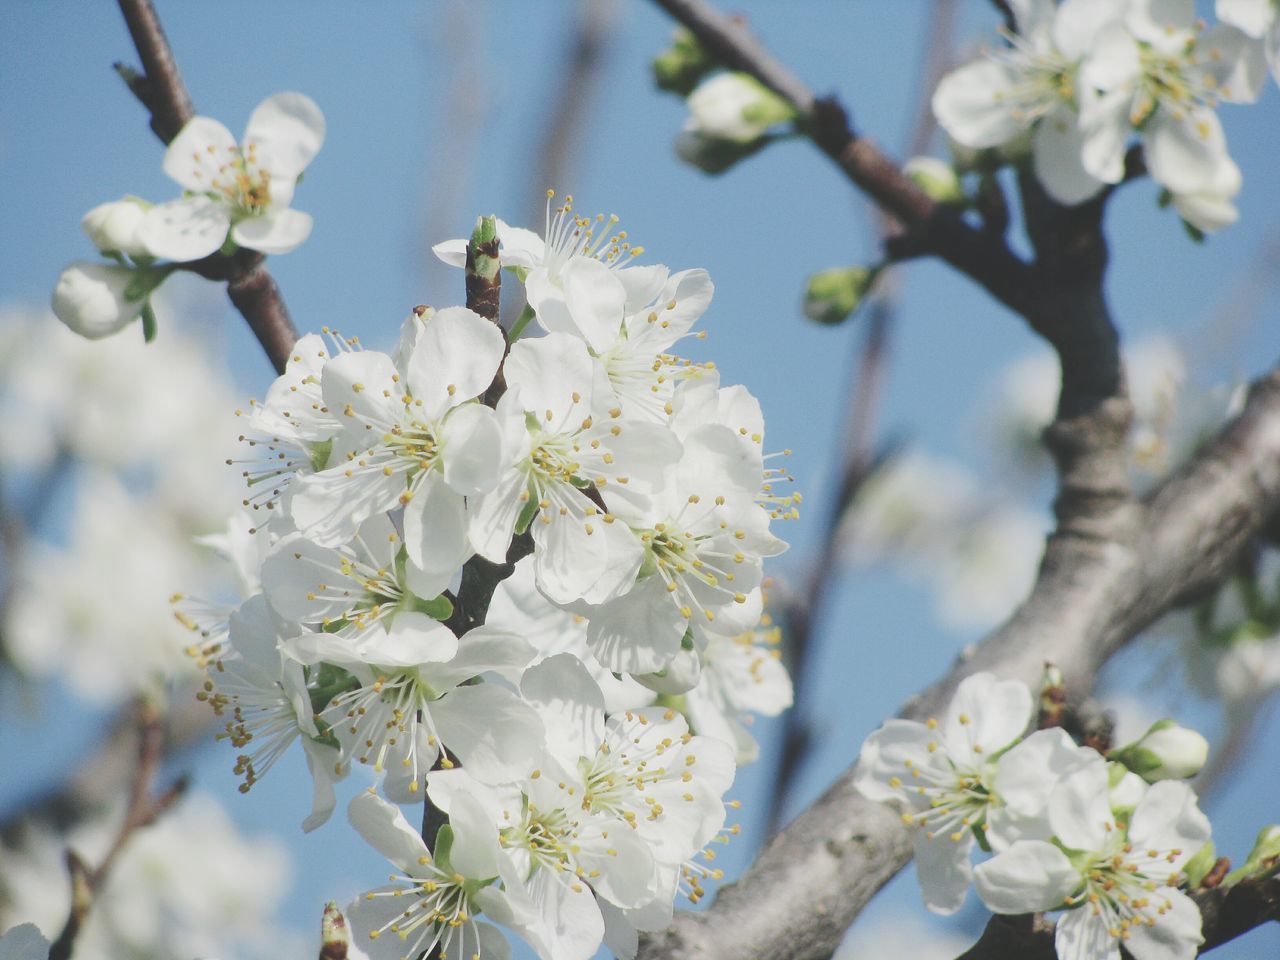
(680, 67)
(833, 295)
(1165, 752)
(713, 155)
(937, 178)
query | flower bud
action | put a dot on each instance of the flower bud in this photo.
(935, 177)
(335, 935)
(833, 295)
(680, 67)
(712, 155)
(1165, 752)
(736, 106)
(113, 227)
(93, 298)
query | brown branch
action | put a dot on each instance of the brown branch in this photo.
(143, 810)
(162, 91)
(1225, 913)
(981, 255)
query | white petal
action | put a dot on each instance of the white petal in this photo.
(1082, 935)
(412, 639)
(1176, 933)
(1079, 811)
(520, 247)
(196, 153)
(480, 650)
(90, 298)
(1059, 163)
(1031, 876)
(475, 850)
(986, 712)
(639, 632)
(1165, 24)
(570, 704)
(452, 252)
(1185, 154)
(496, 735)
(1254, 17)
(384, 827)
(972, 104)
(186, 229)
(567, 559)
(943, 869)
(288, 131)
(596, 300)
(550, 371)
(1078, 23)
(279, 230)
(471, 445)
(435, 530)
(643, 283)
(1235, 62)
(1168, 818)
(321, 761)
(457, 348)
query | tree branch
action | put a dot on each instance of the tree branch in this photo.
(981, 255)
(161, 90)
(1225, 913)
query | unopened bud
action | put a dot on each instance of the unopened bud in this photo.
(833, 295)
(736, 106)
(113, 227)
(680, 67)
(335, 935)
(94, 299)
(712, 155)
(1165, 752)
(935, 177)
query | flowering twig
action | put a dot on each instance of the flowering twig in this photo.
(161, 90)
(143, 810)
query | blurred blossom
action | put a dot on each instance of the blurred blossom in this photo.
(190, 885)
(96, 612)
(932, 518)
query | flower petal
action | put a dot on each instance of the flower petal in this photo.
(972, 104)
(186, 229)
(1031, 876)
(287, 130)
(197, 153)
(279, 230)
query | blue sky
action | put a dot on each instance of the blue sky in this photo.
(398, 173)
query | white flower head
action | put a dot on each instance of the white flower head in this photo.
(735, 106)
(942, 776)
(1118, 881)
(241, 190)
(114, 227)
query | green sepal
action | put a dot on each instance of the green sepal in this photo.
(330, 681)
(320, 452)
(1198, 867)
(672, 701)
(522, 321)
(681, 67)
(527, 513)
(1195, 233)
(686, 642)
(1263, 859)
(148, 322)
(437, 608)
(580, 482)
(443, 847)
(981, 836)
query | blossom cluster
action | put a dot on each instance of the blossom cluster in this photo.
(1113, 841)
(581, 737)
(235, 194)
(1078, 80)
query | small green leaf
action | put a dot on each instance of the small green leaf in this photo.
(437, 608)
(522, 321)
(527, 513)
(148, 322)
(443, 848)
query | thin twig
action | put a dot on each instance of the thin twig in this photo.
(162, 91)
(143, 810)
(856, 451)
